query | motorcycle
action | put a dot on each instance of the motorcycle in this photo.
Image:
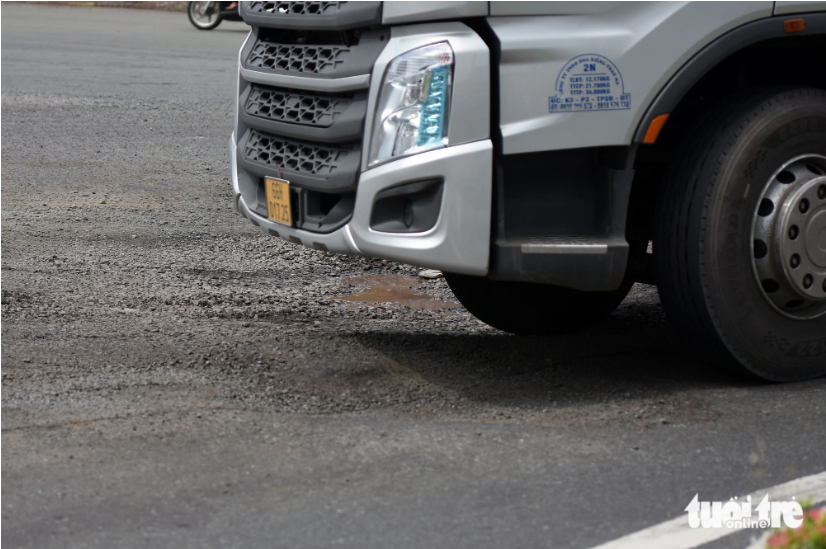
(208, 15)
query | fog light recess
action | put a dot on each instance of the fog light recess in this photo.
(409, 208)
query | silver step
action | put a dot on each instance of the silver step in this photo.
(563, 245)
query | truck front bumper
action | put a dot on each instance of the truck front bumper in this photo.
(460, 240)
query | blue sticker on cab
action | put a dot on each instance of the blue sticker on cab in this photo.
(589, 82)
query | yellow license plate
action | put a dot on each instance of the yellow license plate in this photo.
(278, 201)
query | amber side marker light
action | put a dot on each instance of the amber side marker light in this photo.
(794, 25)
(654, 129)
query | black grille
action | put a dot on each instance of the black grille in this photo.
(312, 16)
(293, 156)
(290, 58)
(311, 138)
(296, 8)
(296, 107)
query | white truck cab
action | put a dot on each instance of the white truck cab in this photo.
(533, 150)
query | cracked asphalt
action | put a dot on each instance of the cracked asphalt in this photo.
(172, 377)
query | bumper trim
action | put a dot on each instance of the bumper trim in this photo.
(339, 241)
(460, 240)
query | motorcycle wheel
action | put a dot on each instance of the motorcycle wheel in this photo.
(204, 15)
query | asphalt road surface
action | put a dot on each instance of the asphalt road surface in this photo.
(174, 378)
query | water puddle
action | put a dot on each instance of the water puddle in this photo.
(404, 290)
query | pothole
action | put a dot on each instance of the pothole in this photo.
(404, 290)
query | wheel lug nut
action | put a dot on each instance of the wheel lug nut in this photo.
(821, 192)
(795, 261)
(793, 232)
(807, 281)
(803, 206)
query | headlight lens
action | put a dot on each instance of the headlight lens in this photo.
(414, 104)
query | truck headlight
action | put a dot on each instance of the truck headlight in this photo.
(413, 104)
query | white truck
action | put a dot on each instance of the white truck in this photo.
(546, 155)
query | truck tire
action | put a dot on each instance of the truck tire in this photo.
(527, 308)
(740, 236)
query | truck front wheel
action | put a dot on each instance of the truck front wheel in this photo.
(527, 308)
(740, 236)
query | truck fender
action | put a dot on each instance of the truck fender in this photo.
(717, 51)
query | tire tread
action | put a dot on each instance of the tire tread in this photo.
(682, 284)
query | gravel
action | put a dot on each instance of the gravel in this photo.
(121, 252)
